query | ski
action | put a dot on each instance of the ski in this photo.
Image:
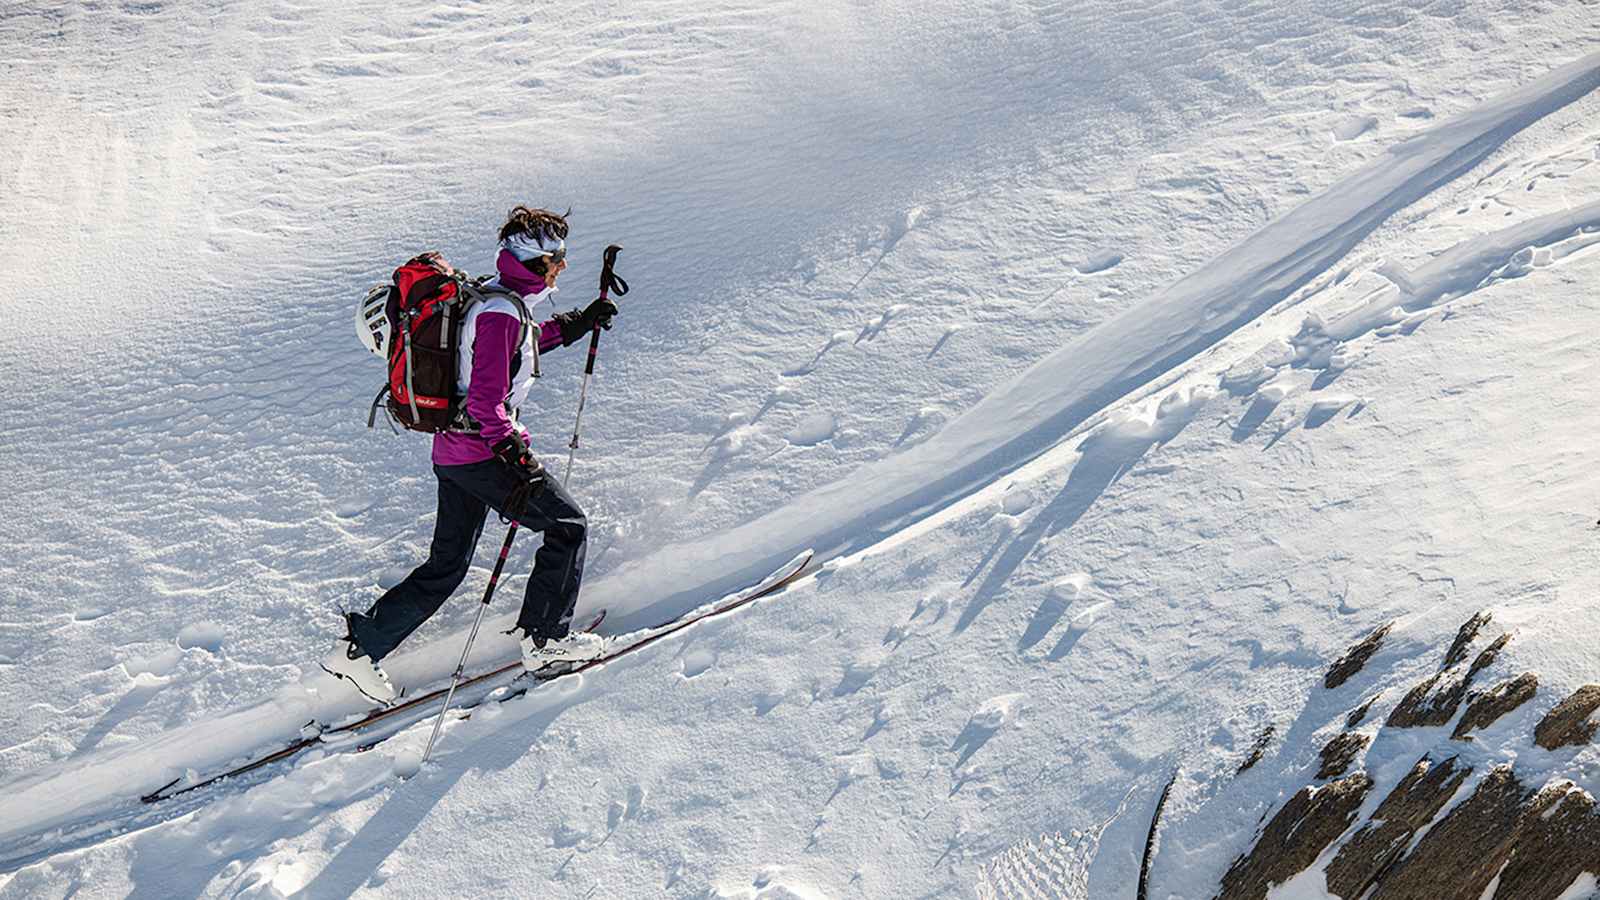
(359, 734)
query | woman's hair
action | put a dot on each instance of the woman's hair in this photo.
(541, 223)
(538, 222)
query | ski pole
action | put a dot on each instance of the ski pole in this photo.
(609, 281)
(461, 667)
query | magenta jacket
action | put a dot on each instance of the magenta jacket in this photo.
(494, 382)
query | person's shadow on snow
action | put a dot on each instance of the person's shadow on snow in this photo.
(358, 860)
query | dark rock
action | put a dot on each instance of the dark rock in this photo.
(1559, 840)
(1568, 724)
(1412, 804)
(1341, 752)
(1306, 825)
(1461, 854)
(1359, 714)
(1485, 708)
(1423, 708)
(1464, 638)
(1256, 752)
(1356, 657)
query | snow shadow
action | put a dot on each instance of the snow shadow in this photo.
(1259, 411)
(1067, 642)
(357, 861)
(130, 703)
(1104, 457)
(971, 740)
(1043, 620)
(245, 826)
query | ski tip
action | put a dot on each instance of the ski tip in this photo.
(160, 793)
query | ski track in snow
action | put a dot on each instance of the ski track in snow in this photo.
(319, 797)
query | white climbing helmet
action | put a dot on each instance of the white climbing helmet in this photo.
(372, 320)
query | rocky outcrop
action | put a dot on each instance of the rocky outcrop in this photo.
(1258, 750)
(1568, 724)
(1464, 638)
(1359, 714)
(1485, 708)
(1554, 846)
(1427, 706)
(1444, 832)
(1464, 851)
(1340, 752)
(1412, 804)
(1312, 819)
(1355, 658)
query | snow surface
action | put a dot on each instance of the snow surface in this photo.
(1126, 361)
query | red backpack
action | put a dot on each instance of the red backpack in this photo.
(424, 308)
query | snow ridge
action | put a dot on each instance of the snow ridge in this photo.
(1028, 415)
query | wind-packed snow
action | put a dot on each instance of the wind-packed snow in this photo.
(1124, 362)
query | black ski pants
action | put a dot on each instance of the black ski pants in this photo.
(466, 494)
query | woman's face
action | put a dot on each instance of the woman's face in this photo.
(554, 270)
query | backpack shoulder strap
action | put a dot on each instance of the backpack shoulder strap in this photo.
(479, 291)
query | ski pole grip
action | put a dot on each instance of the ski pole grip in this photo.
(608, 282)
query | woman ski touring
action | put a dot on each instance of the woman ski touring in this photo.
(485, 463)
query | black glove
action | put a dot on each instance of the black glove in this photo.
(513, 451)
(575, 325)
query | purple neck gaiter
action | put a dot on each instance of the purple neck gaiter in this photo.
(515, 275)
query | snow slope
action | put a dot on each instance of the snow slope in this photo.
(1009, 666)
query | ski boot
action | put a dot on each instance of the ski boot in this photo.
(349, 663)
(576, 648)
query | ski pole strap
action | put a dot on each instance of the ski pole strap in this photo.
(610, 282)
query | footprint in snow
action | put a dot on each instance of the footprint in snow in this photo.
(351, 507)
(206, 636)
(995, 714)
(806, 368)
(1100, 261)
(160, 665)
(1353, 127)
(730, 423)
(936, 604)
(871, 332)
(697, 662)
(856, 675)
(1062, 594)
(732, 441)
(772, 883)
(949, 332)
(901, 224)
(1262, 405)
(625, 810)
(812, 429)
(922, 424)
(1324, 409)
(1016, 501)
(781, 395)
(392, 576)
(1077, 628)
